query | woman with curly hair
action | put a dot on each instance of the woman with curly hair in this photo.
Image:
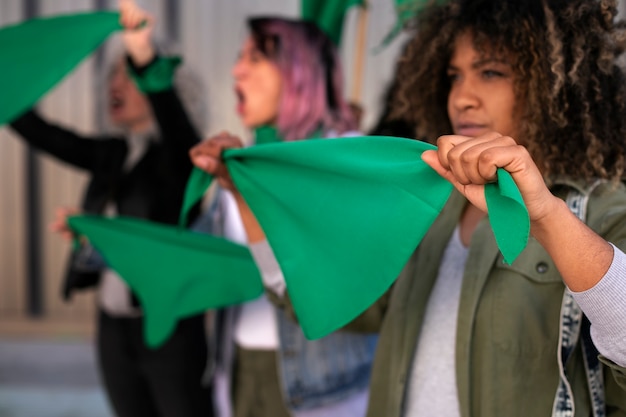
(532, 87)
(465, 333)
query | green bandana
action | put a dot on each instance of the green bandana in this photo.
(198, 183)
(174, 272)
(159, 76)
(266, 134)
(38, 53)
(342, 217)
(406, 10)
(328, 15)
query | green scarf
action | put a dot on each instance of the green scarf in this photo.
(342, 216)
(328, 15)
(174, 272)
(38, 53)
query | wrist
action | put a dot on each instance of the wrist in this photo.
(556, 211)
(142, 56)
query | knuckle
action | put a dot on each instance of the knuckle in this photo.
(487, 157)
(509, 140)
(442, 140)
(466, 157)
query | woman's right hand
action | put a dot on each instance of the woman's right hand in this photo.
(207, 156)
(59, 224)
(137, 37)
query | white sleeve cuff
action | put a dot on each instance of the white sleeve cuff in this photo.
(271, 274)
(605, 306)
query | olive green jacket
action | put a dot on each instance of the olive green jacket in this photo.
(508, 324)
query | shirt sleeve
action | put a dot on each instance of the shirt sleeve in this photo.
(605, 306)
(271, 274)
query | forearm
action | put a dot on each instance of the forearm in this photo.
(581, 256)
(176, 127)
(59, 142)
(141, 55)
(155, 78)
(250, 223)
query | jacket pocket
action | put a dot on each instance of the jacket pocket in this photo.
(521, 305)
(533, 264)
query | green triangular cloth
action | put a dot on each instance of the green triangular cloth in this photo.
(342, 216)
(329, 15)
(174, 272)
(37, 54)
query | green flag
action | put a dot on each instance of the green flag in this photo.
(35, 55)
(508, 215)
(342, 216)
(328, 15)
(406, 10)
(174, 272)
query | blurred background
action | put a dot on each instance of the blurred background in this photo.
(46, 359)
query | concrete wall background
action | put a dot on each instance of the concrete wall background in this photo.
(209, 33)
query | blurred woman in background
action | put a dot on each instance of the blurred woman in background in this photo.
(140, 171)
(289, 87)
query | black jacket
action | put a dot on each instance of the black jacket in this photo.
(153, 189)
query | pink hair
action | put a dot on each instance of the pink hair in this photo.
(312, 96)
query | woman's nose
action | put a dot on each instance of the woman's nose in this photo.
(239, 69)
(463, 94)
(118, 79)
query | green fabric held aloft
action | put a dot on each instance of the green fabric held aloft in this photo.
(266, 134)
(158, 76)
(406, 10)
(328, 15)
(199, 182)
(38, 53)
(409, 9)
(174, 272)
(342, 216)
(508, 216)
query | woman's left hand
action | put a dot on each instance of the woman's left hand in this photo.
(470, 163)
(207, 156)
(59, 224)
(137, 37)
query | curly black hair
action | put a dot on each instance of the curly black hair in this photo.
(564, 54)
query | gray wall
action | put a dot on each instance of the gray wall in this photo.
(209, 33)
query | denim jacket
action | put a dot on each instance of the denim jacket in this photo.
(313, 373)
(318, 372)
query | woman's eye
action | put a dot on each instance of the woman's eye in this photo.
(492, 74)
(452, 77)
(256, 56)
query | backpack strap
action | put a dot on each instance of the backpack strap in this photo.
(574, 326)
